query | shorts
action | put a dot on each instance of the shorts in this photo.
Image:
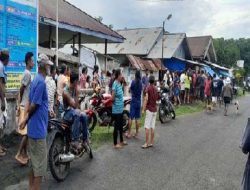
(227, 100)
(214, 99)
(176, 91)
(20, 119)
(182, 87)
(135, 111)
(38, 156)
(150, 120)
(187, 90)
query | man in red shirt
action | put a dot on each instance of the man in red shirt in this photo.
(151, 111)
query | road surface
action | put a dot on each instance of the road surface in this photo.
(195, 152)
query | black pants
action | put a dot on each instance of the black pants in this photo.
(118, 128)
(202, 94)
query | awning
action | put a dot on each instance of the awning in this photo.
(224, 73)
(142, 64)
(158, 64)
(174, 64)
(216, 66)
(209, 70)
(191, 62)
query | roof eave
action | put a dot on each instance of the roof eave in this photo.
(85, 31)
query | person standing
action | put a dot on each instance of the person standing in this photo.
(145, 81)
(187, 84)
(220, 87)
(4, 60)
(51, 88)
(83, 78)
(207, 91)
(151, 111)
(227, 95)
(215, 90)
(182, 85)
(176, 89)
(37, 121)
(135, 106)
(21, 155)
(117, 109)
(61, 84)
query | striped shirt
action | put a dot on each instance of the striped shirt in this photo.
(118, 103)
(51, 88)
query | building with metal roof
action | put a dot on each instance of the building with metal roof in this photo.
(137, 41)
(73, 22)
(174, 45)
(202, 48)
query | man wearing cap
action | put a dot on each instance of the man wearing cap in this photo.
(37, 122)
(4, 60)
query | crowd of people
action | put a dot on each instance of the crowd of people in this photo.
(191, 86)
(55, 93)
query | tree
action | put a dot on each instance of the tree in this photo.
(230, 50)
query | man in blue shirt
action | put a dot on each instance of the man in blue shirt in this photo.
(37, 121)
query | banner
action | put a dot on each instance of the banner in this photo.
(19, 34)
(240, 63)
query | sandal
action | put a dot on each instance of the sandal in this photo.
(118, 146)
(150, 145)
(124, 143)
(136, 135)
(128, 136)
(145, 146)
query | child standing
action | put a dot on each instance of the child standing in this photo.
(151, 111)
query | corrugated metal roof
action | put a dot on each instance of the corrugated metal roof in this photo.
(61, 56)
(198, 45)
(71, 15)
(138, 42)
(145, 64)
(171, 42)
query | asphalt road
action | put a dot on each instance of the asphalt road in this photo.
(195, 152)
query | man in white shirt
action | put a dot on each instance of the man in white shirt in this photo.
(51, 88)
(61, 84)
(21, 155)
(182, 83)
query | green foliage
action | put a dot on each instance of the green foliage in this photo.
(230, 50)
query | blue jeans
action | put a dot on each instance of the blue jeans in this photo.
(80, 124)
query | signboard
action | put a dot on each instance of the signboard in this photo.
(240, 63)
(19, 34)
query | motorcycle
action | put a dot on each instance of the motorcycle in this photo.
(101, 111)
(61, 151)
(166, 108)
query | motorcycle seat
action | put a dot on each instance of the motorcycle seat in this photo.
(60, 122)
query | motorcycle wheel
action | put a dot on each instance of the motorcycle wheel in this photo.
(162, 115)
(58, 170)
(125, 116)
(173, 114)
(89, 151)
(92, 121)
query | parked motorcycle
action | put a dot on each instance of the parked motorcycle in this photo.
(101, 111)
(166, 108)
(61, 150)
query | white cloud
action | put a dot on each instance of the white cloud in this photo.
(220, 18)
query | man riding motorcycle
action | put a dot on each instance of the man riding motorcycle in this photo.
(72, 112)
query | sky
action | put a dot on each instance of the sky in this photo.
(219, 18)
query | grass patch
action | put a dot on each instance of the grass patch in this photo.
(188, 109)
(101, 135)
(104, 135)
